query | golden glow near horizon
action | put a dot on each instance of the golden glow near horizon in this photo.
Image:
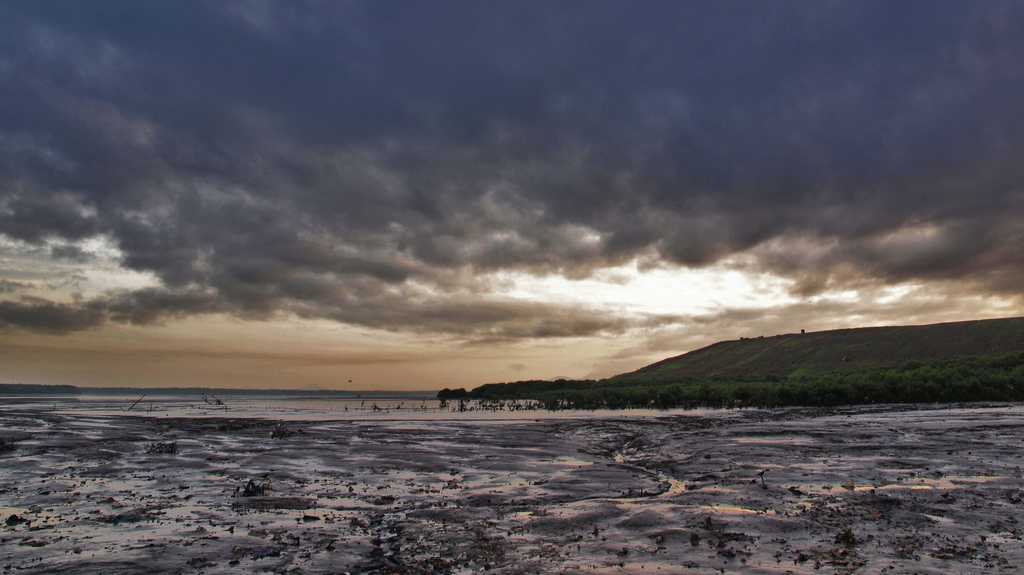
(714, 303)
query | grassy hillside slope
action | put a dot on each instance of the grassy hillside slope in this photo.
(838, 350)
(950, 362)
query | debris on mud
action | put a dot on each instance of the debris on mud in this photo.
(132, 516)
(266, 503)
(282, 431)
(254, 489)
(14, 520)
(165, 448)
(592, 495)
(847, 538)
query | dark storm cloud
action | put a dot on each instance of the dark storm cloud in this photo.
(48, 317)
(472, 318)
(9, 286)
(361, 161)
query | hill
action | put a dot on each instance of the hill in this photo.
(950, 362)
(838, 350)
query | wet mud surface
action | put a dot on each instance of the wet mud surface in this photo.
(858, 490)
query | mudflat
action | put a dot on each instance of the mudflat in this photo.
(891, 489)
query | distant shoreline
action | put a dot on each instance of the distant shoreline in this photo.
(8, 389)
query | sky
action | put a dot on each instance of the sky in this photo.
(389, 194)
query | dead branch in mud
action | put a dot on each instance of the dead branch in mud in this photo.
(136, 402)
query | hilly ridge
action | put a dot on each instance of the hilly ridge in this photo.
(838, 350)
(979, 360)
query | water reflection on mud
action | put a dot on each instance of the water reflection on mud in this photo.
(893, 489)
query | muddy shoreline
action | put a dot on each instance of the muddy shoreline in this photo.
(901, 489)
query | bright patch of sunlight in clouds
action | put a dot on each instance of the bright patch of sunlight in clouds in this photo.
(94, 271)
(680, 291)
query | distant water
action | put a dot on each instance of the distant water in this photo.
(284, 407)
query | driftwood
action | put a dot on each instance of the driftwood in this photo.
(211, 399)
(136, 402)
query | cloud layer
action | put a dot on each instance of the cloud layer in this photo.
(373, 162)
